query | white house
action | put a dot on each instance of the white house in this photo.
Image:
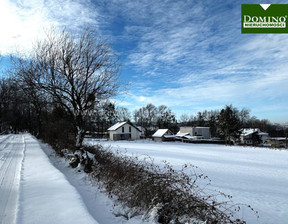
(124, 131)
(252, 136)
(197, 132)
(163, 135)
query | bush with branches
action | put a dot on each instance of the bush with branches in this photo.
(172, 196)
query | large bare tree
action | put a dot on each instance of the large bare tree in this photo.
(76, 71)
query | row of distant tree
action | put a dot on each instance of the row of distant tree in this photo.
(223, 123)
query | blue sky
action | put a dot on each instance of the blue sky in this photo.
(187, 55)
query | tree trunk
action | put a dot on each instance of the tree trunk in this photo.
(79, 138)
(79, 154)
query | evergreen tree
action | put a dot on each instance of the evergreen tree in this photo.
(229, 123)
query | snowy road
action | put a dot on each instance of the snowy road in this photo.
(32, 190)
(11, 155)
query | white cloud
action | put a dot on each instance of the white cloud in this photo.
(194, 55)
(24, 21)
(263, 95)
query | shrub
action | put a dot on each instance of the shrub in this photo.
(172, 196)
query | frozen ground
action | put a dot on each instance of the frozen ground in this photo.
(253, 176)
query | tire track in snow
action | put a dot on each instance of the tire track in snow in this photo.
(11, 156)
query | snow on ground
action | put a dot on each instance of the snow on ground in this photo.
(98, 204)
(11, 155)
(253, 176)
(38, 187)
(45, 194)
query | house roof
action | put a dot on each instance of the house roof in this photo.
(160, 132)
(195, 127)
(263, 133)
(249, 131)
(120, 124)
(116, 126)
(179, 134)
(169, 136)
(190, 137)
(202, 127)
(278, 138)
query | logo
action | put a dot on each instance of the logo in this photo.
(264, 18)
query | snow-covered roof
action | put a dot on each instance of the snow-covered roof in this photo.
(116, 126)
(278, 138)
(249, 131)
(179, 134)
(160, 132)
(169, 136)
(263, 133)
(120, 124)
(190, 137)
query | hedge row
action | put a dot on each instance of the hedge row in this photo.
(172, 196)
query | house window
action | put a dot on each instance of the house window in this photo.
(122, 129)
(129, 128)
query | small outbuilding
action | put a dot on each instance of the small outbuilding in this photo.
(184, 137)
(197, 132)
(278, 142)
(163, 135)
(124, 131)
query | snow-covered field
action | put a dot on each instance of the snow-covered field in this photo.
(253, 176)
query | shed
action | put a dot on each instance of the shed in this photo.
(197, 132)
(163, 135)
(184, 137)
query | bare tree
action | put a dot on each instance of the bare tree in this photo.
(123, 114)
(27, 74)
(77, 72)
(184, 119)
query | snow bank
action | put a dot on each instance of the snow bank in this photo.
(100, 206)
(45, 194)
